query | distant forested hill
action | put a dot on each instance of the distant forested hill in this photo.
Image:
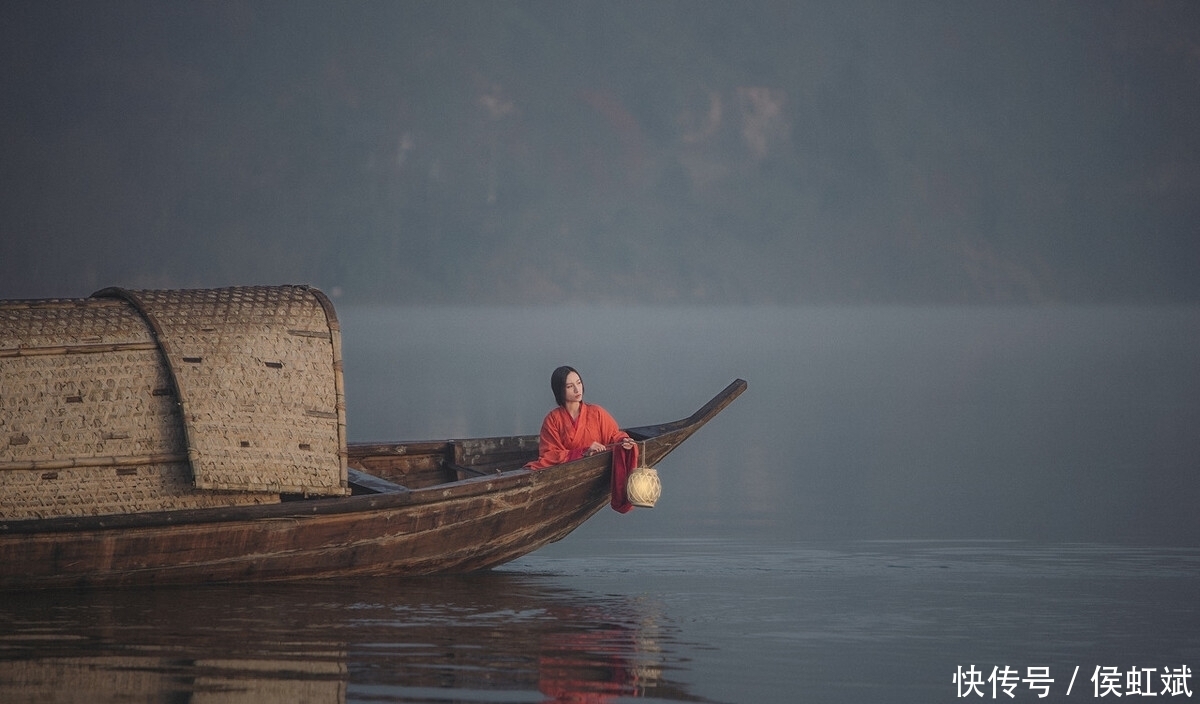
(528, 152)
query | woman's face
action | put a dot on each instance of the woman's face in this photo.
(573, 389)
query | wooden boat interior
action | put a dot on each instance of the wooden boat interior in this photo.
(376, 468)
(390, 467)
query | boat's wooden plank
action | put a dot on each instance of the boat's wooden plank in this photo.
(476, 451)
(372, 483)
(376, 449)
(414, 472)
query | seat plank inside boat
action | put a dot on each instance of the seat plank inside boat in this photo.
(367, 483)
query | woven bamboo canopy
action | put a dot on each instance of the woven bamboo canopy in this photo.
(155, 400)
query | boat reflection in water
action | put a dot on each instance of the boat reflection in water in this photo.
(485, 637)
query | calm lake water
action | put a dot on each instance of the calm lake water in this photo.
(903, 502)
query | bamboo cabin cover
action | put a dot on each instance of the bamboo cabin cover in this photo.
(149, 400)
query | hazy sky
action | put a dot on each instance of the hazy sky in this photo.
(659, 152)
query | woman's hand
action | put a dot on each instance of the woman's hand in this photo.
(627, 443)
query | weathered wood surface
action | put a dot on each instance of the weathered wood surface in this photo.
(457, 526)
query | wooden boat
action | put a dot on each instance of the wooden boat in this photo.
(194, 436)
(416, 508)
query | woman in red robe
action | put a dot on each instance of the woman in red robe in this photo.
(574, 429)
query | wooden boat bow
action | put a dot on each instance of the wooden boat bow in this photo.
(668, 436)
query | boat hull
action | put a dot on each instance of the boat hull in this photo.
(366, 535)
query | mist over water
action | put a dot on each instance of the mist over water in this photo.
(1053, 424)
(901, 495)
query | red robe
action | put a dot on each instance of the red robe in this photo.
(564, 438)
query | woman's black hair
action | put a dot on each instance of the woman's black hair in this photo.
(558, 383)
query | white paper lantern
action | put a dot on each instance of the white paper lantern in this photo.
(643, 487)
